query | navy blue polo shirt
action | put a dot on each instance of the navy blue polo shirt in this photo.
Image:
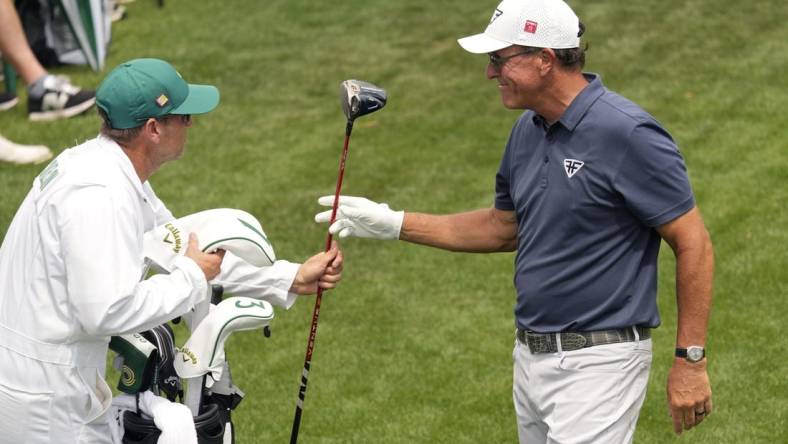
(588, 192)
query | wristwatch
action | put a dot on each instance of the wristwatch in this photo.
(693, 353)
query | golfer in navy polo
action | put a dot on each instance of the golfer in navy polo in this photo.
(588, 186)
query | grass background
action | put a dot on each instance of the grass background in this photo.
(415, 345)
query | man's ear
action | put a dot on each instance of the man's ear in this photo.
(547, 59)
(152, 130)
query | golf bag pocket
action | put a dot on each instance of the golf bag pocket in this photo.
(22, 414)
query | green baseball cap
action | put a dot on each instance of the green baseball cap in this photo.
(141, 89)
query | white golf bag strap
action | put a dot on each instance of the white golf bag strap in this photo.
(223, 228)
(76, 354)
(204, 350)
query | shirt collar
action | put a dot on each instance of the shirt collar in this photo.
(123, 162)
(580, 105)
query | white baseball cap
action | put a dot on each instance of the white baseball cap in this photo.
(536, 23)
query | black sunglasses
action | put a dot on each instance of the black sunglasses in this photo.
(185, 118)
(497, 61)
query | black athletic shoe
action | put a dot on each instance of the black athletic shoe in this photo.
(60, 100)
(8, 100)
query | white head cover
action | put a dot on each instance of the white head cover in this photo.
(204, 351)
(536, 23)
(223, 228)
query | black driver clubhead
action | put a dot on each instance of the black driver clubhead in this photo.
(360, 98)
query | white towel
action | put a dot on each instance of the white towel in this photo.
(174, 420)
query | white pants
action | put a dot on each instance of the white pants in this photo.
(591, 395)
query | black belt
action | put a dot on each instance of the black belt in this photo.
(546, 343)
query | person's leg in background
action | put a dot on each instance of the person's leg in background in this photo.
(50, 97)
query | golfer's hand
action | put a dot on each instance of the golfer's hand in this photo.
(689, 393)
(322, 270)
(209, 263)
(360, 217)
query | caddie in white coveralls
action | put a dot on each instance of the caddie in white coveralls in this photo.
(72, 260)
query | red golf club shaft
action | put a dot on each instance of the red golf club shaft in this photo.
(310, 346)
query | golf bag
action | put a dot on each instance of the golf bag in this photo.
(157, 374)
(202, 364)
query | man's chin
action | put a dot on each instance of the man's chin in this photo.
(512, 104)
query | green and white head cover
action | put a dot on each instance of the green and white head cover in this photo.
(135, 361)
(233, 230)
(203, 352)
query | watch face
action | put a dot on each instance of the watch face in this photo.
(695, 354)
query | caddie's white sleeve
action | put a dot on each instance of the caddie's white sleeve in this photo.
(102, 256)
(162, 213)
(270, 284)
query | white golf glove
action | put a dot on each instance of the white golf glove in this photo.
(360, 217)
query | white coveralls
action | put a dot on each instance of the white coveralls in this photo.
(70, 269)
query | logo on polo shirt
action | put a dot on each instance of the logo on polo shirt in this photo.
(572, 166)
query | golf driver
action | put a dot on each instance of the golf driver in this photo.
(358, 98)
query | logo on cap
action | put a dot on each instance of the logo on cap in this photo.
(530, 26)
(495, 15)
(162, 100)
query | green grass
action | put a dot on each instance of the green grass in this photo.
(415, 345)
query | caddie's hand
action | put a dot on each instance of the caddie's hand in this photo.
(360, 217)
(209, 263)
(689, 394)
(323, 270)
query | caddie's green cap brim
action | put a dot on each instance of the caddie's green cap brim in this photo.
(201, 99)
